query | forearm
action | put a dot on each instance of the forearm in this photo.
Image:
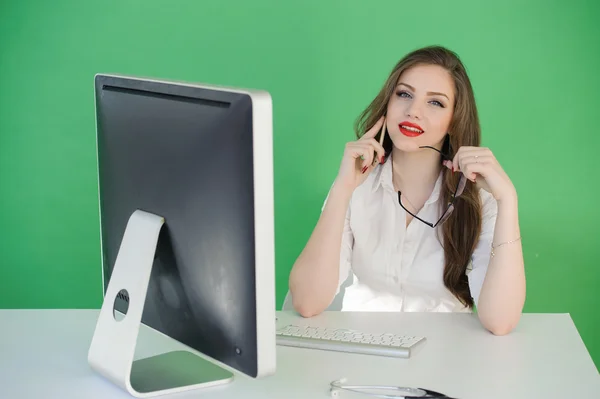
(503, 292)
(315, 274)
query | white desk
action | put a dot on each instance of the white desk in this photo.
(43, 354)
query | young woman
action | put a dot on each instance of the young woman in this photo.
(421, 216)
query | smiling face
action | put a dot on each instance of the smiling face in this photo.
(420, 110)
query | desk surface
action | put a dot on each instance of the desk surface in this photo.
(43, 354)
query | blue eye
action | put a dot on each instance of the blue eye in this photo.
(404, 94)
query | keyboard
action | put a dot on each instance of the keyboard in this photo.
(343, 340)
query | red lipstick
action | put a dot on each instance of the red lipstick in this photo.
(410, 129)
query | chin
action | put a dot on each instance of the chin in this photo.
(407, 144)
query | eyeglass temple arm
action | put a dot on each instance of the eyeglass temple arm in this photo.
(445, 156)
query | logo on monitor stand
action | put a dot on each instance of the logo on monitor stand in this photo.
(119, 312)
(123, 295)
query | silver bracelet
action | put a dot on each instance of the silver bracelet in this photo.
(504, 243)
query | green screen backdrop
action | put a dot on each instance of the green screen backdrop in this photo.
(534, 68)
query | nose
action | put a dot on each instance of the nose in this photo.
(413, 110)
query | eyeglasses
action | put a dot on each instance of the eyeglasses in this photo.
(384, 391)
(460, 187)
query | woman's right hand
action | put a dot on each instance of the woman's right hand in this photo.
(359, 158)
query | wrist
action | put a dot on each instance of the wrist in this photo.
(342, 190)
(508, 200)
(508, 209)
(507, 221)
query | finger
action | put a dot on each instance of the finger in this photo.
(367, 168)
(372, 132)
(458, 156)
(466, 159)
(361, 150)
(368, 157)
(378, 149)
(455, 160)
(471, 166)
(467, 148)
(476, 151)
(469, 159)
(358, 152)
(466, 151)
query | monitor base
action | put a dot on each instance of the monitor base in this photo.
(112, 349)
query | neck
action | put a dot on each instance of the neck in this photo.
(415, 171)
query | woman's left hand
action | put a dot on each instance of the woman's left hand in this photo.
(479, 165)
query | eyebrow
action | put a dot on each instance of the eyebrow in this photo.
(429, 93)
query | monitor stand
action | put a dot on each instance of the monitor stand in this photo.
(112, 349)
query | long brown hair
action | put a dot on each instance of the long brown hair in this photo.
(459, 234)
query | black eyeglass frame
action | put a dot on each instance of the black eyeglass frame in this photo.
(447, 212)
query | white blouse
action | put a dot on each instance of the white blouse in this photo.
(395, 268)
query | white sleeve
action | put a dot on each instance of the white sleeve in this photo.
(482, 253)
(345, 249)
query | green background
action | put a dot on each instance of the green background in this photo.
(534, 68)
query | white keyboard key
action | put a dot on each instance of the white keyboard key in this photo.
(343, 340)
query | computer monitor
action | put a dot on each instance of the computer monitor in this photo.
(197, 158)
